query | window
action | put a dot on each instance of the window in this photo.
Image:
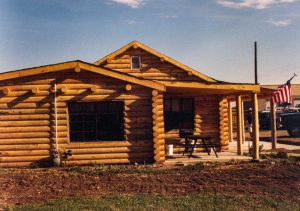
(135, 63)
(95, 121)
(179, 113)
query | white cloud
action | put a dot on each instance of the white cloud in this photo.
(256, 4)
(131, 3)
(284, 22)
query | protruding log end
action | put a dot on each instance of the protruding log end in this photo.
(162, 59)
(135, 46)
(77, 69)
(128, 87)
(6, 91)
(190, 73)
(64, 89)
(93, 89)
(154, 92)
(35, 90)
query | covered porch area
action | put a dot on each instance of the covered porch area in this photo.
(212, 117)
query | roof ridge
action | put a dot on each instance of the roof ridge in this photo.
(158, 54)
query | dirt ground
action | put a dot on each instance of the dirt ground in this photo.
(276, 180)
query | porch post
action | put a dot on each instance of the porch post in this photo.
(255, 139)
(158, 126)
(243, 122)
(239, 124)
(273, 125)
(230, 121)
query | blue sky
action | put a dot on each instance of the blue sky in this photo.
(214, 37)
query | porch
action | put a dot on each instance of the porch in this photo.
(226, 156)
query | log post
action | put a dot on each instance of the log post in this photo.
(243, 122)
(255, 139)
(223, 123)
(273, 125)
(230, 121)
(52, 120)
(158, 126)
(239, 124)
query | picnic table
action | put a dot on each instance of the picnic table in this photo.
(192, 141)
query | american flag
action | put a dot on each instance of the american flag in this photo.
(283, 94)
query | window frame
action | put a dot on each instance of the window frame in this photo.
(178, 116)
(121, 126)
(131, 63)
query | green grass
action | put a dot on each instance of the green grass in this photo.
(130, 169)
(144, 202)
(111, 170)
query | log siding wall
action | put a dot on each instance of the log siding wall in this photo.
(27, 119)
(152, 66)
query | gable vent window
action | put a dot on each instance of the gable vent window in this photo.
(135, 62)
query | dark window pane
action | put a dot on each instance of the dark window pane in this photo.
(89, 117)
(167, 105)
(187, 105)
(76, 126)
(102, 107)
(175, 105)
(135, 62)
(75, 108)
(89, 108)
(90, 136)
(115, 106)
(76, 136)
(76, 118)
(180, 115)
(89, 126)
(96, 121)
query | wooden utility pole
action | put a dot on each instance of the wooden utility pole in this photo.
(255, 63)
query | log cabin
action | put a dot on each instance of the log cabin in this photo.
(124, 108)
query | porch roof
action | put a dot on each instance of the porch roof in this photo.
(222, 88)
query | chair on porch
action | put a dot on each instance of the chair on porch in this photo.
(188, 143)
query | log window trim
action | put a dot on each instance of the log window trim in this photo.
(135, 62)
(179, 113)
(96, 121)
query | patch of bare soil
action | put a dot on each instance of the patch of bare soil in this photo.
(280, 181)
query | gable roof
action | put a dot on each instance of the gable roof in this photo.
(84, 66)
(160, 55)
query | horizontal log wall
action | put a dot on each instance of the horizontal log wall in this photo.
(206, 121)
(27, 119)
(152, 66)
